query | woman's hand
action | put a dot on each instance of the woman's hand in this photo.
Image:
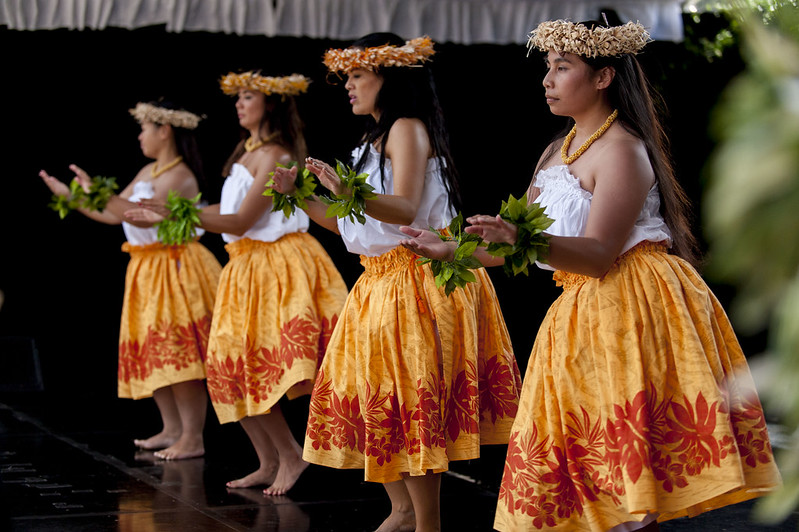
(56, 187)
(326, 174)
(427, 244)
(156, 206)
(143, 216)
(284, 179)
(492, 229)
(82, 177)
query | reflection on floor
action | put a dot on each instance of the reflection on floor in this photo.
(69, 465)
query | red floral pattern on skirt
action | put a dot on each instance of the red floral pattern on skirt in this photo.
(253, 375)
(674, 438)
(165, 345)
(377, 425)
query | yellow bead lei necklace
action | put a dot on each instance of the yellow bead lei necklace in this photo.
(155, 171)
(252, 145)
(564, 150)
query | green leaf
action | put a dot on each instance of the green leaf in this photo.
(179, 227)
(532, 243)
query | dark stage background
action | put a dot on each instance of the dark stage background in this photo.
(65, 99)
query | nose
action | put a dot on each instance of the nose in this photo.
(547, 82)
(348, 85)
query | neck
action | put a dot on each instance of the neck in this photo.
(591, 120)
(166, 156)
(259, 133)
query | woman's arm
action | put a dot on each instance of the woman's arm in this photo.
(255, 204)
(408, 149)
(284, 179)
(620, 189)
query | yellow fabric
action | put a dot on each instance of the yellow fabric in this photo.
(412, 378)
(637, 398)
(166, 315)
(276, 306)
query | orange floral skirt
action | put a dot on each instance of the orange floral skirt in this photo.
(166, 315)
(276, 307)
(412, 379)
(637, 400)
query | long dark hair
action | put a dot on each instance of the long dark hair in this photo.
(282, 118)
(640, 105)
(186, 143)
(408, 92)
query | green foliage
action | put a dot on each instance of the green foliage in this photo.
(100, 191)
(750, 210)
(531, 245)
(63, 205)
(456, 273)
(351, 205)
(180, 226)
(305, 185)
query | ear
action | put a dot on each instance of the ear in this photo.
(605, 77)
(164, 131)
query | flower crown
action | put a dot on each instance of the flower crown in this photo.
(285, 86)
(346, 60)
(147, 112)
(576, 38)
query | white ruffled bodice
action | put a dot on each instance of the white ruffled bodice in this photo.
(375, 237)
(271, 226)
(142, 236)
(568, 204)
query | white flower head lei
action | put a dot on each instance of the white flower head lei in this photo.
(576, 38)
(147, 112)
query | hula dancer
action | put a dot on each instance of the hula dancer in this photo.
(413, 379)
(169, 289)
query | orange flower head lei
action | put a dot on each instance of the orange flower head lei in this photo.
(147, 112)
(412, 53)
(578, 39)
(291, 85)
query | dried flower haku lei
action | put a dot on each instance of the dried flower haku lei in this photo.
(412, 53)
(305, 185)
(291, 85)
(456, 272)
(146, 112)
(576, 38)
(349, 205)
(180, 226)
(95, 198)
(531, 243)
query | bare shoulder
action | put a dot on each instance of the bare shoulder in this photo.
(624, 156)
(179, 178)
(263, 160)
(408, 133)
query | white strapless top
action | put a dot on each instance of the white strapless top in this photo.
(568, 204)
(374, 237)
(142, 236)
(271, 226)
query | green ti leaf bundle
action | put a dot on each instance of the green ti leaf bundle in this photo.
(288, 203)
(351, 205)
(457, 272)
(531, 244)
(100, 191)
(180, 226)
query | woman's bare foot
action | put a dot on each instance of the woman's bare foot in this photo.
(287, 475)
(183, 449)
(162, 440)
(261, 477)
(399, 522)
